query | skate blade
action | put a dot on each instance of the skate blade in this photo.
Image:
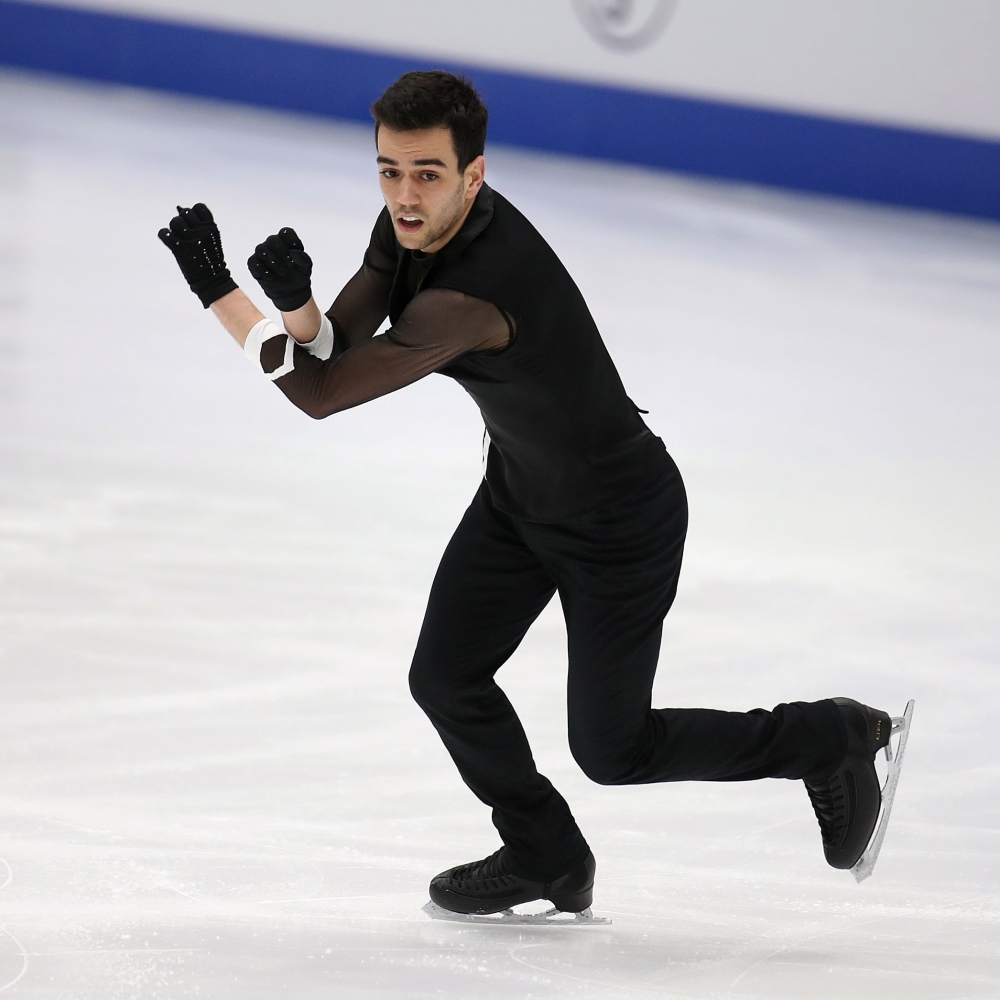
(865, 865)
(550, 918)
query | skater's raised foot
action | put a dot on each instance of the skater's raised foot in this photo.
(847, 800)
(488, 886)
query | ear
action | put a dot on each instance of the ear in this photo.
(475, 174)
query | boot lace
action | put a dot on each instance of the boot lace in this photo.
(490, 873)
(830, 803)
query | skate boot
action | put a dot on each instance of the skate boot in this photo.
(847, 802)
(488, 886)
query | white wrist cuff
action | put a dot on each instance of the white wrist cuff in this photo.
(321, 346)
(263, 331)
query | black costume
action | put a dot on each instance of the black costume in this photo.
(579, 497)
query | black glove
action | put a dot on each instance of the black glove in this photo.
(283, 268)
(193, 238)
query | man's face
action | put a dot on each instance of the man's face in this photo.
(427, 197)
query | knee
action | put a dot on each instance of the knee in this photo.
(603, 762)
(425, 684)
(437, 684)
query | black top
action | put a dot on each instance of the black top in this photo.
(565, 439)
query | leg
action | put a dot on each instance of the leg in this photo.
(617, 575)
(488, 590)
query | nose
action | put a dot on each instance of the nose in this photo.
(408, 194)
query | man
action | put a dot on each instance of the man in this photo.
(578, 497)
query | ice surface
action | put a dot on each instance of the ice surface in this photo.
(214, 783)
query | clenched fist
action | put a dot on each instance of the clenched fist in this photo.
(193, 238)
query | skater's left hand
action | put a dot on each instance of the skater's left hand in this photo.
(283, 270)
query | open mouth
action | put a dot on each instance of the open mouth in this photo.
(409, 223)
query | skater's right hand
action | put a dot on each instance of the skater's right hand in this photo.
(283, 270)
(193, 238)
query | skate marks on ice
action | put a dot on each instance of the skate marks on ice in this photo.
(551, 917)
(901, 730)
(13, 965)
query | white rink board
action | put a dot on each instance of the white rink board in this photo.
(214, 781)
(922, 63)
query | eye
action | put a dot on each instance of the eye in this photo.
(429, 175)
(389, 173)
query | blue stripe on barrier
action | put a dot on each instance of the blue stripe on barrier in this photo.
(872, 162)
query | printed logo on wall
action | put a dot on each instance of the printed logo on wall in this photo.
(625, 25)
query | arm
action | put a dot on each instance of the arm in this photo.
(363, 303)
(237, 314)
(304, 323)
(283, 269)
(193, 238)
(437, 327)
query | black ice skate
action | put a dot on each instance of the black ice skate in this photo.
(848, 801)
(485, 891)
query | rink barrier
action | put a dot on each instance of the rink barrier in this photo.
(900, 166)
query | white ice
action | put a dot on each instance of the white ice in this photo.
(214, 783)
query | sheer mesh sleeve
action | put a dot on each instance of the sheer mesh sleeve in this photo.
(438, 326)
(363, 303)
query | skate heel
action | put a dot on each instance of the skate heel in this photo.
(574, 892)
(573, 902)
(880, 730)
(873, 727)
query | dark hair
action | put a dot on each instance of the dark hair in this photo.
(428, 100)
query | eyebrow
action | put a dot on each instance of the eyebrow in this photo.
(416, 163)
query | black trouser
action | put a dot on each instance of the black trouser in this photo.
(616, 573)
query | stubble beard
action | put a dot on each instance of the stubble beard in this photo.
(455, 208)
